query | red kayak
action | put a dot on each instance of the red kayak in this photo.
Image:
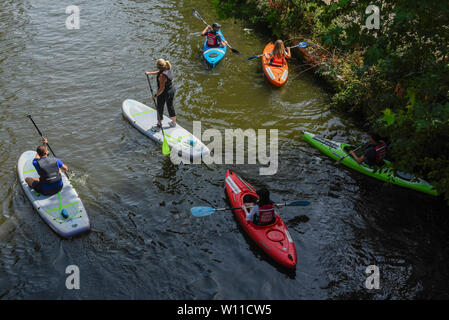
(273, 239)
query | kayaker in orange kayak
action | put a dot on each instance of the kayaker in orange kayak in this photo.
(278, 55)
(263, 212)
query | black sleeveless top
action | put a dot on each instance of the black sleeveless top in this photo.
(169, 82)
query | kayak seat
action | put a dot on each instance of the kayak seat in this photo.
(404, 175)
(249, 198)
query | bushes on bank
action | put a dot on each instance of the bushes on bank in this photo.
(397, 76)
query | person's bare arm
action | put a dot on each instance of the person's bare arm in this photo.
(151, 72)
(356, 158)
(289, 53)
(162, 80)
(205, 30)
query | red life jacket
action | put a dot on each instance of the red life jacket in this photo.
(381, 152)
(266, 214)
(277, 62)
(211, 39)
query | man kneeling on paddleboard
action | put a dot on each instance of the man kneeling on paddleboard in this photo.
(263, 212)
(48, 168)
(374, 153)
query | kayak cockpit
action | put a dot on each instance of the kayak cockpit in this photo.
(249, 200)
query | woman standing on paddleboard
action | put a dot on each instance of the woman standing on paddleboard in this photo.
(165, 93)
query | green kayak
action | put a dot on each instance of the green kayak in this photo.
(337, 150)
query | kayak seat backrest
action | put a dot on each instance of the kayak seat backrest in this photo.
(249, 198)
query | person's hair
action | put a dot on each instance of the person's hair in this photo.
(41, 150)
(161, 63)
(375, 136)
(279, 49)
(264, 197)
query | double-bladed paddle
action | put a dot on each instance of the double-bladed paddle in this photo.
(342, 158)
(300, 45)
(197, 15)
(206, 211)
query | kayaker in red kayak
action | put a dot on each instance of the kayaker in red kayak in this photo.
(279, 54)
(263, 212)
(374, 153)
(213, 37)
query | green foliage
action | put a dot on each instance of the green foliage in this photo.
(280, 16)
(403, 84)
(397, 76)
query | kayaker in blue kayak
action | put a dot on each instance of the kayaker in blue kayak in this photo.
(213, 37)
(48, 168)
(374, 153)
(165, 93)
(263, 212)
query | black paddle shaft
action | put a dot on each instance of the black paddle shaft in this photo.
(40, 133)
(151, 89)
(152, 95)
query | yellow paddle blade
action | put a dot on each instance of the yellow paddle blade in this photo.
(165, 147)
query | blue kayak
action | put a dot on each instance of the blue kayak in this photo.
(214, 54)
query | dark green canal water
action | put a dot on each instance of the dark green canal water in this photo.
(144, 243)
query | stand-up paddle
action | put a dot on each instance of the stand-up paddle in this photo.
(342, 158)
(165, 146)
(206, 211)
(40, 133)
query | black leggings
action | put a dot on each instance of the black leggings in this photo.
(166, 97)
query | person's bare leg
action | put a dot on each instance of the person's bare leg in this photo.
(30, 181)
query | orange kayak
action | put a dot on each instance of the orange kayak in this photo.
(276, 75)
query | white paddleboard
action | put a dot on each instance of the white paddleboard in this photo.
(49, 207)
(178, 138)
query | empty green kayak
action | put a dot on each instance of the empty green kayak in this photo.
(337, 150)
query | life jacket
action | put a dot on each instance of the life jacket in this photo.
(212, 39)
(277, 62)
(266, 214)
(169, 82)
(49, 171)
(381, 152)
